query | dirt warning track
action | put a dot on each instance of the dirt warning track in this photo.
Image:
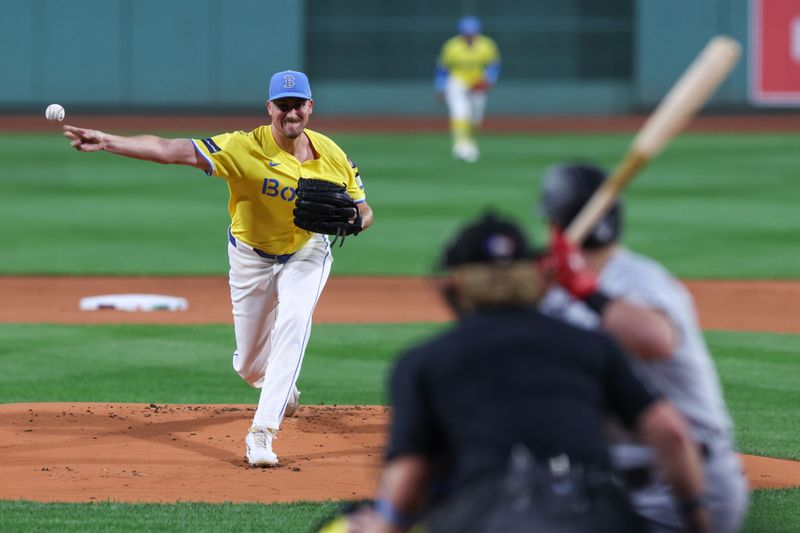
(769, 306)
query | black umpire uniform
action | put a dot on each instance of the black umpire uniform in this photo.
(512, 403)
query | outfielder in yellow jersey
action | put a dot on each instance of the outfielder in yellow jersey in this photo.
(468, 66)
(277, 270)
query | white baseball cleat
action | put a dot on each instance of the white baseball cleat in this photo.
(466, 151)
(259, 446)
(471, 153)
(293, 403)
(458, 150)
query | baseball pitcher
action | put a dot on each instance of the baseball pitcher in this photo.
(278, 248)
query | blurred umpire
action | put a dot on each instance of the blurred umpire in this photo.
(497, 424)
(605, 285)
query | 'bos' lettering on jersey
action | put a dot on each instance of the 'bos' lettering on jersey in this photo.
(272, 187)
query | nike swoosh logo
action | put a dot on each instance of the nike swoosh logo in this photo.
(273, 164)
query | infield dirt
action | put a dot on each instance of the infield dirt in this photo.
(82, 452)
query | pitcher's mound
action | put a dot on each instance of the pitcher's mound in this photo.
(80, 452)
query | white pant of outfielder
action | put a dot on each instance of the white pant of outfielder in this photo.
(464, 104)
(272, 307)
(466, 109)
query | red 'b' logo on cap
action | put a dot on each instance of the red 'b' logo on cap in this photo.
(288, 81)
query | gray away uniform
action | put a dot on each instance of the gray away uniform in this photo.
(688, 379)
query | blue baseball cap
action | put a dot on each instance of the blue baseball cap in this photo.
(289, 84)
(469, 26)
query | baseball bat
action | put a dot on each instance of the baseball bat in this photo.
(682, 102)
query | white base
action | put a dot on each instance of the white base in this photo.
(134, 302)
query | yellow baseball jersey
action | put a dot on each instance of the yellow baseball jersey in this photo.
(262, 180)
(466, 62)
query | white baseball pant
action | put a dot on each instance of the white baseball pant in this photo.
(273, 302)
(464, 104)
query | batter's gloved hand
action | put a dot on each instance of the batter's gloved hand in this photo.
(570, 266)
(325, 207)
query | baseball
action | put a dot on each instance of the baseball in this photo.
(54, 112)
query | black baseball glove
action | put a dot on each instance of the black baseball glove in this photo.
(325, 207)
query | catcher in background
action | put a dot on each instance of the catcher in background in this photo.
(278, 250)
(468, 66)
(508, 407)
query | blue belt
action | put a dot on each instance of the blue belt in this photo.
(279, 258)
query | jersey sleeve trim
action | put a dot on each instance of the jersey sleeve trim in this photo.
(493, 72)
(440, 77)
(208, 159)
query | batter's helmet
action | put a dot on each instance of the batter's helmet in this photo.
(566, 189)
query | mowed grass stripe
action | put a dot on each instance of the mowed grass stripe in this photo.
(776, 511)
(344, 364)
(712, 205)
(760, 375)
(19, 516)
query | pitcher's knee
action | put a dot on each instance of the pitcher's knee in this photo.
(252, 374)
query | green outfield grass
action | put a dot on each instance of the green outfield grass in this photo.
(721, 205)
(344, 364)
(775, 511)
(771, 511)
(761, 379)
(190, 517)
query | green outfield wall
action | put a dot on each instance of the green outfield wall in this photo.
(364, 56)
